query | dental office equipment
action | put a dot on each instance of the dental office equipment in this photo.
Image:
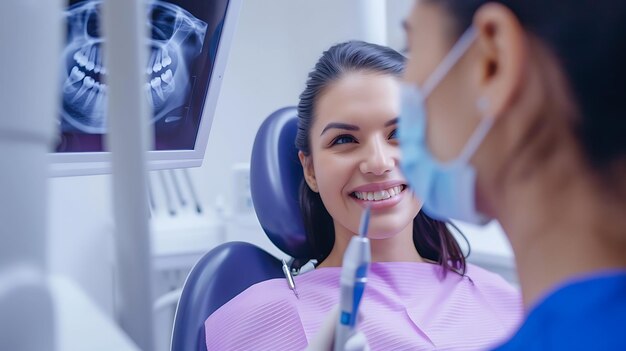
(356, 261)
(168, 196)
(289, 277)
(179, 193)
(192, 191)
(150, 195)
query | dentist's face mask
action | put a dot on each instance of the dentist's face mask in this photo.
(447, 189)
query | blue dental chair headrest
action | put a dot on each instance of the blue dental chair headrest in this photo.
(232, 267)
(275, 177)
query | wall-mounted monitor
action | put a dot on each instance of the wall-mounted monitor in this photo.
(189, 41)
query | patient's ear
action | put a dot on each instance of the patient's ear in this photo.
(309, 172)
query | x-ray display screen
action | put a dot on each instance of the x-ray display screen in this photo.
(184, 36)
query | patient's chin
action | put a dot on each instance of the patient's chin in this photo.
(390, 225)
(383, 232)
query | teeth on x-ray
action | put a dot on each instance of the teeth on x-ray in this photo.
(76, 75)
(156, 85)
(88, 83)
(167, 76)
(167, 83)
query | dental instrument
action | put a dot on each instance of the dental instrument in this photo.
(353, 279)
(289, 277)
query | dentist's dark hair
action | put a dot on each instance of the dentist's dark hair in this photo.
(432, 238)
(588, 38)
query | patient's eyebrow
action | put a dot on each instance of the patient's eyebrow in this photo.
(392, 122)
(339, 126)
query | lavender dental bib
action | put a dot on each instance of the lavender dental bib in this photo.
(406, 306)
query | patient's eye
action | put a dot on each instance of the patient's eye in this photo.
(343, 139)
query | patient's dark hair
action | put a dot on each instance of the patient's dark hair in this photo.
(432, 238)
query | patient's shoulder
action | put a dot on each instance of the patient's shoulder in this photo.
(490, 281)
(501, 296)
(264, 316)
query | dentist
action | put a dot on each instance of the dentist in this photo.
(514, 110)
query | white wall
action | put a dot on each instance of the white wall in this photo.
(397, 12)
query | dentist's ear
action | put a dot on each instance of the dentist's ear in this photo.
(309, 171)
(503, 49)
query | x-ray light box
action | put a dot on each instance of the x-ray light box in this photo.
(188, 48)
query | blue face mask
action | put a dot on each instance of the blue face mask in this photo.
(447, 189)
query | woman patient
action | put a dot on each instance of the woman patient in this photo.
(421, 294)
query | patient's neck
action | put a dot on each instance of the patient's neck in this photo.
(396, 248)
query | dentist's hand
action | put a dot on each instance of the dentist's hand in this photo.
(325, 337)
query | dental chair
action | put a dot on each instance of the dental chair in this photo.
(230, 268)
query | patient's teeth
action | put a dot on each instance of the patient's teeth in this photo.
(88, 82)
(378, 195)
(156, 85)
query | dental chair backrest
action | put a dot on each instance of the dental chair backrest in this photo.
(230, 268)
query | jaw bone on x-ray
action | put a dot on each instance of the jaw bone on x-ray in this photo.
(177, 37)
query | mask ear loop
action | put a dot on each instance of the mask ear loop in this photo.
(455, 54)
(479, 134)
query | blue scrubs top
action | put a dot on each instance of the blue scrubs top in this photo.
(589, 314)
